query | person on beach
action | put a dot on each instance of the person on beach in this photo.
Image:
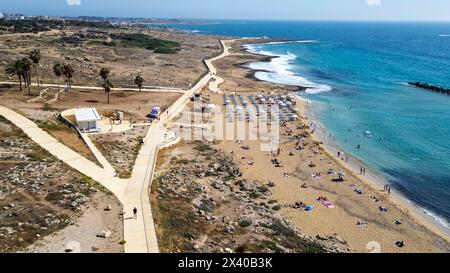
(339, 153)
(400, 244)
(135, 213)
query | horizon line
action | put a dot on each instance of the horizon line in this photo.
(238, 19)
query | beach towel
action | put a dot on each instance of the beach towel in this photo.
(327, 204)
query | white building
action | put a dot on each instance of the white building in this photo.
(2, 15)
(87, 119)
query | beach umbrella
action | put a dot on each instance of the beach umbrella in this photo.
(341, 174)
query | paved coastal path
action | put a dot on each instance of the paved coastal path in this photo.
(139, 232)
(161, 89)
(214, 86)
(105, 176)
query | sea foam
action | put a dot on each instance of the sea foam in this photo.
(439, 219)
(278, 70)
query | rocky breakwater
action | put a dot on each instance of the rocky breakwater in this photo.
(431, 87)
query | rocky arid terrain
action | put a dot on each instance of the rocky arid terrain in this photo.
(127, 52)
(38, 194)
(201, 204)
(121, 149)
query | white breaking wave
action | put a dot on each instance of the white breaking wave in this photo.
(437, 218)
(278, 70)
(444, 35)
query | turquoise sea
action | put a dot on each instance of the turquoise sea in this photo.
(356, 74)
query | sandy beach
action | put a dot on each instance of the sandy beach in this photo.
(363, 216)
(372, 178)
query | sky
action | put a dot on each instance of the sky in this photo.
(382, 10)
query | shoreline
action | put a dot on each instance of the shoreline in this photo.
(302, 84)
(372, 179)
(267, 59)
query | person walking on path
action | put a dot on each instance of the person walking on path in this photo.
(135, 213)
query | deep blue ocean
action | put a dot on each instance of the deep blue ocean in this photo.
(356, 73)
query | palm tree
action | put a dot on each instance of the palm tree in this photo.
(36, 56)
(26, 66)
(104, 73)
(15, 67)
(107, 85)
(58, 71)
(68, 72)
(139, 81)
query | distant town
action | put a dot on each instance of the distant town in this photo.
(17, 16)
(115, 21)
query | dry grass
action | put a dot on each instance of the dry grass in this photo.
(69, 137)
